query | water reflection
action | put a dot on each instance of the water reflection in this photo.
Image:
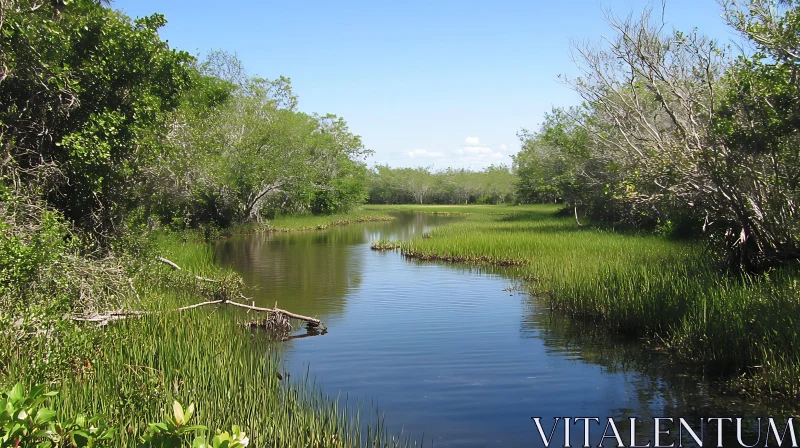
(311, 272)
(655, 384)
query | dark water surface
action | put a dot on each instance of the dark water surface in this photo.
(449, 351)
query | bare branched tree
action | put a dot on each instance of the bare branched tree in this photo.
(657, 97)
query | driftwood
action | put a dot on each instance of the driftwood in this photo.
(105, 319)
(118, 315)
(310, 320)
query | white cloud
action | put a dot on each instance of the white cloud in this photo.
(503, 147)
(424, 153)
(472, 141)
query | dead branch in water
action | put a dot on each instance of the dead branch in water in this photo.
(104, 319)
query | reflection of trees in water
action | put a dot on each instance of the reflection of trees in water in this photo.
(406, 226)
(310, 272)
(659, 386)
(305, 272)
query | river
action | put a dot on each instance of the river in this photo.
(454, 353)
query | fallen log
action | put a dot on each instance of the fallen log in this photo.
(310, 320)
(119, 315)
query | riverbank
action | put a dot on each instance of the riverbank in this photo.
(741, 328)
(131, 370)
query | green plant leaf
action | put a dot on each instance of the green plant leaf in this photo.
(177, 411)
(45, 415)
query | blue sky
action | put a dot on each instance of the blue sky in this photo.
(425, 83)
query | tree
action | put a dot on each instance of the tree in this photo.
(672, 131)
(420, 185)
(758, 121)
(83, 94)
(240, 150)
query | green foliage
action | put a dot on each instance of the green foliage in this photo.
(242, 153)
(25, 421)
(548, 161)
(24, 252)
(85, 89)
(758, 121)
(175, 431)
(493, 185)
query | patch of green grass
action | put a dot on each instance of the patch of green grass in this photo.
(641, 285)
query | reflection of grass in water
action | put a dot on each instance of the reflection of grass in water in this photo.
(641, 285)
(660, 387)
(203, 356)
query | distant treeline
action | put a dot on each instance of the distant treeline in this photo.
(679, 132)
(493, 185)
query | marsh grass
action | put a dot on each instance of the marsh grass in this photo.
(742, 327)
(234, 375)
(228, 372)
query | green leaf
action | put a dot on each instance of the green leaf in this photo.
(36, 391)
(189, 412)
(42, 433)
(177, 411)
(45, 415)
(159, 426)
(16, 393)
(200, 442)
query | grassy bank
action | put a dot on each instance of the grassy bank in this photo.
(669, 292)
(131, 370)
